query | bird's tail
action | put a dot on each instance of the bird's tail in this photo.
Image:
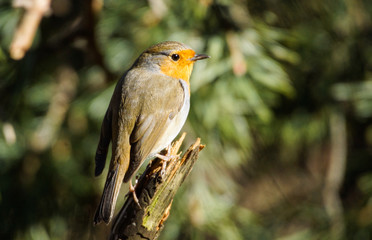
(106, 207)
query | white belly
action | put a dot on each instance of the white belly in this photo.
(174, 125)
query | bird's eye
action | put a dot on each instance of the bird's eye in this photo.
(175, 57)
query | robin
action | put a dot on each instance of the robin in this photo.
(147, 110)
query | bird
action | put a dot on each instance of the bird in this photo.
(148, 108)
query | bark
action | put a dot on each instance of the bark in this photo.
(155, 194)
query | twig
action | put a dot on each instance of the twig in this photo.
(25, 33)
(65, 88)
(237, 57)
(335, 175)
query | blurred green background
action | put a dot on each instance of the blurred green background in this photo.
(284, 106)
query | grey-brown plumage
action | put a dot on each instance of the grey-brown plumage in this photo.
(147, 110)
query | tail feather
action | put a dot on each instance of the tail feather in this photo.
(106, 207)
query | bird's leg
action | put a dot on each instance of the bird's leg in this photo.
(165, 159)
(132, 189)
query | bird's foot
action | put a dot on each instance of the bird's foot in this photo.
(166, 158)
(132, 190)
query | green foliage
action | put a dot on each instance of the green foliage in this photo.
(263, 103)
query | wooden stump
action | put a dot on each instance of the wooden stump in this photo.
(155, 195)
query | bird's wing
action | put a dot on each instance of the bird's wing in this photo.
(104, 142)
(112, 128)
(162, 103)
(109, 128)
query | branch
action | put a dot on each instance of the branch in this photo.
(65, 89)
(335, 175)
(155, 195)
(24, 35)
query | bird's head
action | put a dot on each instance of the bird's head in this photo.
(171, 58)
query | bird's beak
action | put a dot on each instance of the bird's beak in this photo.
(197, 57)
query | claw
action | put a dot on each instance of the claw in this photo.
(169, 149)
(162, 172)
